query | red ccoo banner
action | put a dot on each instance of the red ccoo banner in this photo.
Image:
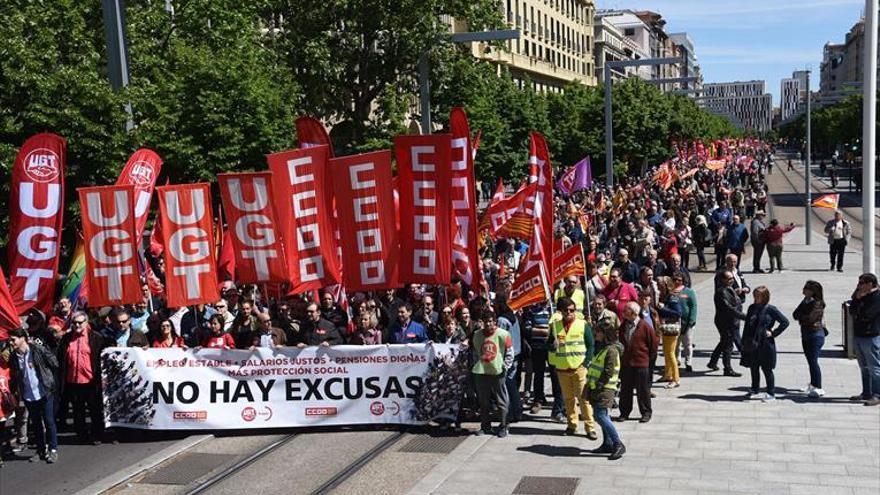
(569, 262)
(529, 287)
(110, 245)
(187, 224)
(305, 217)
(250, 214)
(365, 209)
(465, 259)
(36, 212)
(423, 164)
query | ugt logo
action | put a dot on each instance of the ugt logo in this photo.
(141, 174)
(41, 165)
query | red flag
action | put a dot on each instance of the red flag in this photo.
(226, 260)
(476, 145)
(8, 314)
(423, 164)
(569, 262)
(250, 211)
(499, 191)
(311, 132)
(364, 205)
(141, 171)
(111, 245)
(508, 219)
(541, 172)
(465, 259)
(395, 186)
(529, 287)
(157, 242)
(305, 197)
(36, 214)
(190, 266)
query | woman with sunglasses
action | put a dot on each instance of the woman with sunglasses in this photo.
(810, 314)
(168, 336)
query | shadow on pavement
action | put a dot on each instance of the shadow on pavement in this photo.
(558, 451)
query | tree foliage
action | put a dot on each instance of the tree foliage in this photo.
(832, 127)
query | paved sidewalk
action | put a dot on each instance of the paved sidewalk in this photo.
(704, 437)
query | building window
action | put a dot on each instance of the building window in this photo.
(629, 32)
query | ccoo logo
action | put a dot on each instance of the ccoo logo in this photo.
(42, 165)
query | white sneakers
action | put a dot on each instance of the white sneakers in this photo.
(757, 396)
(812, 391)
(768, 398)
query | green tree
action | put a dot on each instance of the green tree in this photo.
(357, 60)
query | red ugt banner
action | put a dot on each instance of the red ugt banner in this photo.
(111, 245)
(365, 209)
(423, 164)
(305, 216)
(36, 214)
(465, 260)
(250, 213)
(141, 171)
(187, 223)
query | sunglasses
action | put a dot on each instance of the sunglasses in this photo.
(78, 323)
(124, 321)
(220, 306)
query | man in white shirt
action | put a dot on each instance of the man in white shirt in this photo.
(838, 231)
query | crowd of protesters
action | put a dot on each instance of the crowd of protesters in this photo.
(598, 340)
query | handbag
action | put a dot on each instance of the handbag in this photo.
(670, 329)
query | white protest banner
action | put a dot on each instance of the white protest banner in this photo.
(208, 389)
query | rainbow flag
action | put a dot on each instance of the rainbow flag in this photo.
(73, 287)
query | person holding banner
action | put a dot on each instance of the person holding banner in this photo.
(218, 338)
(79, 356)
(571, 345)
(316, 331)
(168, 336)
(493, 356)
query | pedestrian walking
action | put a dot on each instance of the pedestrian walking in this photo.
(639, 344)
(810, 314)
(865, 312)
(759, 342)
(773, 240)
(669, 329)
(839, 233)
(702, 237)
(685, 345)
(728, 312)
(493, 356)
(603, 378)
(737, 235)
(571, 346)
(757, 229)
(33, 373)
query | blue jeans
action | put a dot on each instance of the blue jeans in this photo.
(868, 356)
(812, 346)
(42, 415)
(514, 404)
(610, 438)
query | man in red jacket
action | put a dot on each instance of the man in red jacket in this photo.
(639, 343)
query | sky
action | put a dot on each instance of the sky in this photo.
(754, 39)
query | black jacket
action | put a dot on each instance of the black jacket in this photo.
(866, 314)
(45, 364)
(96, 344)
(810, 315)
(728, 308)
(313, 333)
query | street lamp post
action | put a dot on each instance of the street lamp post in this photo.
(117, 50)
(609, 130)
(869, 126)
(807, 172)
(425, 68)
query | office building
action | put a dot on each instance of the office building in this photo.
(745, 103)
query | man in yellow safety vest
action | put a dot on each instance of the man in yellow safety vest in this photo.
(570, 345)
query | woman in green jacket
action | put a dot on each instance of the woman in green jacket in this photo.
(603, 378)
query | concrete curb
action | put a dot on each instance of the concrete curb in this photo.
(150, 462)
(448, 466)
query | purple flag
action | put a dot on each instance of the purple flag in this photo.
(583, 178)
